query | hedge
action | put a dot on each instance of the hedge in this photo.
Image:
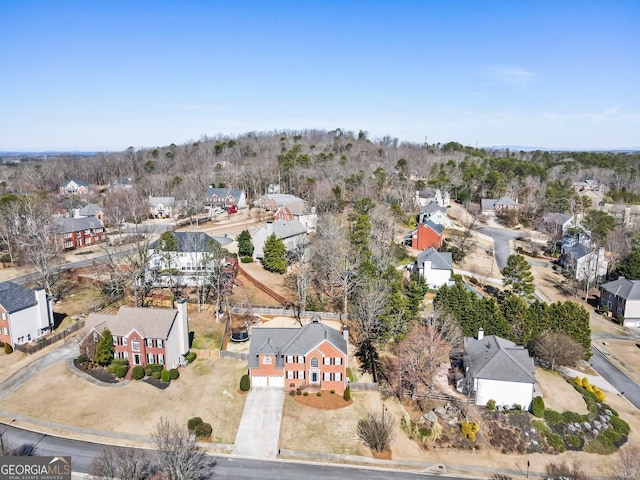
(620, 425)
(174, 373)
(165, 376)
(203, 430)
(537, 407)
(552, 417)
(190, 357)
(245, 383)
(193, 422)
(137, 373)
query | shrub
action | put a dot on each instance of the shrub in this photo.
(612, 434)
(347, 394)
(193, 422)
(491, 404)
(306, 394)
(155, 375)
(121, 370)
(537, 407)
(620, 425)
(165, 376)
(203, 430)
(292, 393)
(174, 373)
(246, 259)
(153, 367)
(517, 407)
(245, 383)
(573, 440)
(84, 358)
(469, 430)
(599, 394)
(577, 381)
(552, 417)
(585, 383)
(376, 431)
(190, 357)
(541, 427)
(319, 394)
(332, 391)
(137, 373)
(556, 442)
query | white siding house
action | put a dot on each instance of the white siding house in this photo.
(290, 232)
(435, 267)
(25, 315)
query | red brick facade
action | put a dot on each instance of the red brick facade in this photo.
(425, 237)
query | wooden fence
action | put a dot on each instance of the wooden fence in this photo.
(364, 386)
(234, 355)
(261, 286)
(29, 349)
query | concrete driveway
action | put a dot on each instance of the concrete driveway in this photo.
(259, 429)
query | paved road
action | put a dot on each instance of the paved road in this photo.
(628, 388)
(501, 247)
(228, 467)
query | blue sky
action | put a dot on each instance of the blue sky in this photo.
(92, 75)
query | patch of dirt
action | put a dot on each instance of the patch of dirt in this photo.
(327, 401)
(156, 382)
(383, 455)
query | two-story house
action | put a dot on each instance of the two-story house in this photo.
(78, 232)
(292, 233)
(161, 207)
(226, 197)
(74, 187)
(436, 267)
(142, 335)
(25, 315)
(622, 298)
(434, 213)
(295, 358)
(426, 235)
(491, 206)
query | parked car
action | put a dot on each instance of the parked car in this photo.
(232, 209)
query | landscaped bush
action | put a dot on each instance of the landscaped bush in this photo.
(376, 431)
(612, 434)
(573, 417)
(203, 430)
(599, 394)
(246, 259)
(541, 427)
(347, 394)
(84, 358)
(552, 417)
(155, 375)
(332, 391)
(469, 430)
(119, 367)
(190, 357)
(193, 422)
(491, 405)
(165, 376)
(137, 373)
(306, 394)
(121, 370)
(620, 425)
(153, 367)
(555, 441)
(537, 407)
(573, 440)
(174, 373)
(319, 394)
(8, 349)
(245, 383)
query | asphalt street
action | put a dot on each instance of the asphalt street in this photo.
(627, 387)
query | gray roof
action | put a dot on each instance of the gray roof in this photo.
(506, 201)
(80, 183)
(556, 218)
(427, 192)
(281, 199)
(14, 297)
(576, 251)
(488, 204)
(166, 201)
(149, 322)
(432, 208)
(292, 341)
(190, 241)
(66, 225)
(492, 203)
(439, 260)
(121, 182)
(494, 358)
(623, 288)
(288, 228)
(434, 226)
(90, 210)
(224, 194)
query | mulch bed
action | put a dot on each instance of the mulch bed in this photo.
(156, 382)
(327, 401)
(99, 373)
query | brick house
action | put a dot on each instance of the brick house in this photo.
(225, 197)
(312, 356)
(25, 315)
(74, 187)
(78, 232)
(427, 235)
(142, 335)
(622, 298)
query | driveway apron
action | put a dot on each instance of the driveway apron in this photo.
(259, 429)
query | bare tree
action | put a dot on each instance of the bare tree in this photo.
(7, 449)
(557, 349)
(561, 470)
(117, 464)
(462, 243)
(178, 455)
(627, 465)
(299, 278)
(377, 431)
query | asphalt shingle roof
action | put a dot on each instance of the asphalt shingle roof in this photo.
(66, 224)
(431, 208)
(439, 260)
(494, 358)
(190, 241)
(149, 322)
(288, 228)
(627, 289)
(14, 297)
(166, 201)
(90, 210)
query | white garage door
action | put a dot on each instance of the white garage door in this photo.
(259, 381)
(276, 381)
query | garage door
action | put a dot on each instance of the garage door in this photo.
(259, 381)
(276, 381)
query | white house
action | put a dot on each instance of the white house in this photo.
(584, 262)
(161, 207)
(25, 315)
(436, 214)
(74, 187)
(491, 206)
(290, 232)
(436, 267)
(497, 369)
(432, 195)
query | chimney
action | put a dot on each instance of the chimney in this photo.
(183, 326)
(480, 333)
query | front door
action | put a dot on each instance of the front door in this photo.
(315, 377)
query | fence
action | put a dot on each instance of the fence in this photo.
(261, 286)
(29, 349)
(206, 353)
(234, 355)
(363, 386)
(270, 310)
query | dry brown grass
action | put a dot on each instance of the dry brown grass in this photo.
(558, 394)
(206, 389)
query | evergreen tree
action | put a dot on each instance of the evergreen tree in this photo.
(168, 242)
(630, 267)
(245, 245)
(104, 352)
(517, 274)
(275, 255)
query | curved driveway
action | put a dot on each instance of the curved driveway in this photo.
(501, 246)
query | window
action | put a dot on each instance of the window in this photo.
(338, 377)
(67, 235)
(159, 343)
(326, 361)
(301, 375)
(116, 355)
(300, 359)
(96, 339)
(6, 330)
(3, 316)
(326, 376)
(314, 362)
(124, 341)
(68, 244)
(125, 355)
(136, 359)
(115, 341)
(338, 360)
(28, 337)
(161, 359)
(150, 343)
(619, 309)
(290, 374)
(266, 360)
(150, 358)
(289, 358)
(135, 345)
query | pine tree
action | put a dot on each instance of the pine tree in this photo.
(630, 267)
(245, 245)
(275, 255)
(104, 352)
(517, 274)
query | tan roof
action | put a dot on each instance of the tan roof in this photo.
(149, 322)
